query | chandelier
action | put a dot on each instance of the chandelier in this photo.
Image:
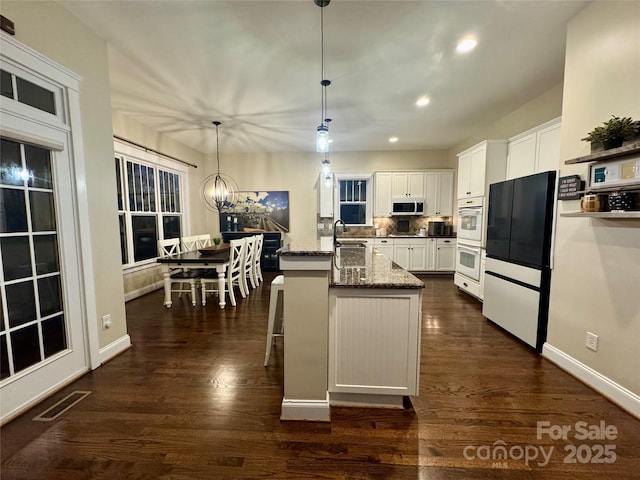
(219, 192)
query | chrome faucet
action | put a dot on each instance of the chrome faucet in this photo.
(335, 230)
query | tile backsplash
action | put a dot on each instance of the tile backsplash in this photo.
(387, 225)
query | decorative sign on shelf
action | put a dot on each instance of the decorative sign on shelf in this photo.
(570, 187)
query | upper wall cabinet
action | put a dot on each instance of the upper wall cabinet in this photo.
(382, 194)
(439, 193)
(481, 165)
(536, 150)
(325, 190)
(407, 184)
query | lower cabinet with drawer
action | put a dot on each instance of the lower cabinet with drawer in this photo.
(429, 254)
(445, 258)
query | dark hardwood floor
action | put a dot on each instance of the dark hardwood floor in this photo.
(191, 399)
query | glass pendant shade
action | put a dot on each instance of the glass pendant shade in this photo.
(322, 139)
(326, 168)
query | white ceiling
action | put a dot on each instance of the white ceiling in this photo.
(255, 65)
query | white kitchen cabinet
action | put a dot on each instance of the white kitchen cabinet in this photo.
(384, 246)
(407, 184)
(374, 345)
(382, 194)
(445, 258)
(534, 151)
(439, 193)
(326, 193)
(430, 261)
(522, 156)
(481, 165)
(410, 254)
(548, 148)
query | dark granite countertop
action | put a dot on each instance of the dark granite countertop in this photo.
(368, 268)
(399, 235)
(304, 250)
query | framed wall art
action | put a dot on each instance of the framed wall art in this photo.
(257, 210)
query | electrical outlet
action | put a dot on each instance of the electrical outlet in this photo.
(106, 321)
(592, 341)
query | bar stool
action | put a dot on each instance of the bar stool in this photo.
(276, 323)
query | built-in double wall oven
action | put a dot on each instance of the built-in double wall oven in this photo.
(469, 244)
(470, 211)
(468, 258)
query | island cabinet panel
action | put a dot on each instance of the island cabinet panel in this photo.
(374, 341)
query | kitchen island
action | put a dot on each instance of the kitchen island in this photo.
(374, 330)
(352, 330)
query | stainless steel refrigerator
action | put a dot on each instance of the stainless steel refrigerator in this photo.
(518, 266)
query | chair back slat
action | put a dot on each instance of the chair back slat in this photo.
(168, 247)
(257, 257)
(203, 241)
(189, 244)
(236, 255)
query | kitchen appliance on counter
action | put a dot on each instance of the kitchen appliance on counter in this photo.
(439, 229)
(407, 206)
(519, 256)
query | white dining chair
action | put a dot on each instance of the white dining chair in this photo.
(185, 281)
(203, 241)
(257, 255)
(247, 268)
(189, 244)
(209, 280)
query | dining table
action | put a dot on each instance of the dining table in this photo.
(213, 257)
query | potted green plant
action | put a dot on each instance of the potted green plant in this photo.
(216, 240)
(613, 133)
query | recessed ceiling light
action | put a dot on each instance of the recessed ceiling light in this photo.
(466, 45)
(422, 101)
(393, 139)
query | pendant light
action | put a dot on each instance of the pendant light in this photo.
(322, 132)
(219, 192)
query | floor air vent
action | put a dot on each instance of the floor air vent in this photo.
(62, 406)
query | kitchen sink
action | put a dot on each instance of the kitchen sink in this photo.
(350, 254)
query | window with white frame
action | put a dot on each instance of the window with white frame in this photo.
(150, 205)
(354, 198)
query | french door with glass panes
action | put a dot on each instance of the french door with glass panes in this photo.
(42, 341)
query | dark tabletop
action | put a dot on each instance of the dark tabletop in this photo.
(197, 257)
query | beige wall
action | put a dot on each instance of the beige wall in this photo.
(51, 30)
(533, 113)
(597, 262)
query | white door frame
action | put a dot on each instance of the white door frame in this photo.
(56, 132)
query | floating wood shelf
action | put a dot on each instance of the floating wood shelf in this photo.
(609, 215)
(629, 149)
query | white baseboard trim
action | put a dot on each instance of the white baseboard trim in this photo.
(114, 348)
(309, 410)
(132, 295)
(619, 395)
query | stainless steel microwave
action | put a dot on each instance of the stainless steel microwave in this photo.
(407, 206)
